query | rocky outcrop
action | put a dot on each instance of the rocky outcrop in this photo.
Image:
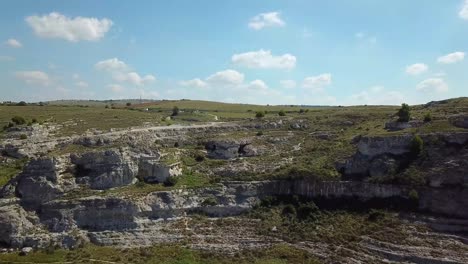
(459, 120)
(395, 125)
(104, 170)
(151, 170)
(230, 149)
(14, 225)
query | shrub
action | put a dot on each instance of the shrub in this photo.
(289, 210)
(412, 176)
(260, 133)
(376, 215)
(106, 106)
(210, 201)
(413, 195)
(171, 181)
(175, 111)
(34, 120)
(128, 104)
(281, 113)
(416, 146)
(428, 118)
(307, 211)
(19, 120)
(23, 136)
(10, 124)
(22, 103)
(301, 111)
(260, 114)
(403, 113)
(199, 157)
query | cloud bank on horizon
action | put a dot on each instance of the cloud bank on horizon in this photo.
(269, 53)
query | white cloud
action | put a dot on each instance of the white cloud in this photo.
(365, 37)
(463, 14)
(451, 57)
(226, 77)
(13, 43)
(121, 72)
(56, 25)
(257, 85)
(113, 64)
(262, 20)
(134, 78)
(6, 58)
(376, 95)
(437, 85)
(116, 88)
(288, 84)
(33, 77)
(416, 69)
(82, 84)
(318, 82)
(263, 59)
(194, 83)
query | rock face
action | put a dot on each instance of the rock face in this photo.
(151, 170)
(459, 120)
(13, 225)
(395, 125)
(39, 181)
(104, 170)
(230, 149)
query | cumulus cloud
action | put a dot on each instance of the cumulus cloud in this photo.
(263, 20)
(451, 57)
(416, 69)
(82, 84)
(33, 77)
(134, 78)
(463, 13)
(56, 25)
(113, 64)
(437, 85)
(288, 84)
(263, 59)
(116, 88)
(226, 77)
(318, 82)
(121, 72)
(257, 85)
(198, 83)
(376, 95)
(13, 43)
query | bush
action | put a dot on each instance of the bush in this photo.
(260, 114)
(413, 195)
(416, 146)
(412, 177)
(106, 106)
(260, 133)
(199, 157)
(171, 181)
(175, 111)
(19, 120)
(376, 215)
(404, 114)
(22, 103)
(128, 104)
(210, 201)
(10, 124)
(281, 113)
(301, 111)
(34, 120)
(23, 136)
(428, 118)
(289, 210)
(307, 211)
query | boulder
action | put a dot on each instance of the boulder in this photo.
(105, 169)
(248, 151)
(395, 125)
(459, 120)
(394, 145)
(153, 171)
(26, 250)
(38, 183)
(14, 225)
(383, 166)
(223, 149)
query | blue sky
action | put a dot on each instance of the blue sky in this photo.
(336, 52)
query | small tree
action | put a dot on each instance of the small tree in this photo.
(404, 114)
(129, 104)
(417, 145)
(281, 113)
(301, 111)
(19, 120)
(175, 111)
(428, 117)
(260, 114)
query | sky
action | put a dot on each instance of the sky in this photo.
(335, 52)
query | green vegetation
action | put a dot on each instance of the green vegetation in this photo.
(416, 146)
(175, 111)
(282, 113)
(10, 169)
(260, 114)
(427, 117)
(404, 114)
(164, 254)
(19, 120)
